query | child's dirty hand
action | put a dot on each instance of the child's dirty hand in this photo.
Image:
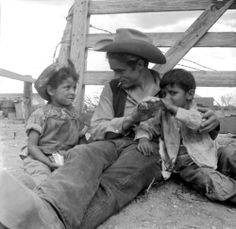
(145, 147)
(53, 165)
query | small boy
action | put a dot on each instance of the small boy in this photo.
(55, 127)
(183, 148)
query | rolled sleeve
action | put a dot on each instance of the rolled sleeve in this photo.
(191, 118)
(36, 121)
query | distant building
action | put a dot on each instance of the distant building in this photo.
(12, 105)
(205, 101)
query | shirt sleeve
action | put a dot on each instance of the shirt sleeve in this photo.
(103, 120)
(191, 118)
(36, 121)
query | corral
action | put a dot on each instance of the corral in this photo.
(173, 205)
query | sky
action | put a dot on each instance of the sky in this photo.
(31, 29)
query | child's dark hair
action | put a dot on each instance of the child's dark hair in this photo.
(184, 79)
(63, 74)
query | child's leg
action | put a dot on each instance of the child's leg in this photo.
(214, 184)
(36, 169)
(227, 161)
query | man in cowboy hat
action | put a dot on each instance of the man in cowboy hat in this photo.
(101, 177)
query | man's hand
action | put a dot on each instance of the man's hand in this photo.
(139, 115)
(145, 147)
(210, 120)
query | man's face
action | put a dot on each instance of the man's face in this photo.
(128, 77)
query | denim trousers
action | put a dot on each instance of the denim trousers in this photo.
(217, 185)
(97, 180)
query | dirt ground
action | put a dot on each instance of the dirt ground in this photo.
(168, 206)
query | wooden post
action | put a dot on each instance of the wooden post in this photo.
(64, 53)
(80, 26)
(27, 99)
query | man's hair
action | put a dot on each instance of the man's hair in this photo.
(184, 79)
(130, 59)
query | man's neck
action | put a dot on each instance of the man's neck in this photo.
(146, 80)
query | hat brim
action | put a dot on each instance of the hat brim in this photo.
(135, 47)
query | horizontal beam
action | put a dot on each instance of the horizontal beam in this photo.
(16, 76)
(137, 6)
(203, 78)
(210, 39)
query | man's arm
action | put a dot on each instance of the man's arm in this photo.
(103, 119)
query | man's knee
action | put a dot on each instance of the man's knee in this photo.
(73, 153)
(227, 153)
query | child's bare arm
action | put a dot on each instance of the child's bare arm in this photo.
(35, 152)
(145, 147)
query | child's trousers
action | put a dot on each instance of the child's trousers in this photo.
(220, 184)
(36, 169)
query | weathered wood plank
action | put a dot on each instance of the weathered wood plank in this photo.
(80, 25)
(210, 39)
(27, 99)
(64, 53)
(192, 35)
(136, 6)
(203, 78)
(16, 76)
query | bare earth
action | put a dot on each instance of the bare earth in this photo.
(167, 206)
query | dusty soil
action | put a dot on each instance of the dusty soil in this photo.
(172, 205)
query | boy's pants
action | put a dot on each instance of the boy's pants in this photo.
(220, 184)
(97, 180)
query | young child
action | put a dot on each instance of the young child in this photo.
(183, 148)
(55, 127)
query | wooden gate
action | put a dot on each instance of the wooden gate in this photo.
(76, 40)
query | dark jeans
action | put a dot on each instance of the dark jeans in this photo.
(220, 184)
(97, 180)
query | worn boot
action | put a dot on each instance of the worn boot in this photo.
(21, 208)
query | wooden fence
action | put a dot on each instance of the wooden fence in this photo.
(27, 97)
(76, 39)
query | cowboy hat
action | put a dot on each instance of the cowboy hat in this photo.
(133, 42)
(42, 81)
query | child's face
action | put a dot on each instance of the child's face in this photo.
(64, 94)
(177, 95)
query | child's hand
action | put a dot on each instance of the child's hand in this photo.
(145, 147)
(169, 105)
(53, 165)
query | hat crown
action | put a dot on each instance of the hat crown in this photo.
(124, 35)
(134, 42)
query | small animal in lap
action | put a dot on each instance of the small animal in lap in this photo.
(55, 127)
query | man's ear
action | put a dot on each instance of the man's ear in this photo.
(190, 94)
(140, 64)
